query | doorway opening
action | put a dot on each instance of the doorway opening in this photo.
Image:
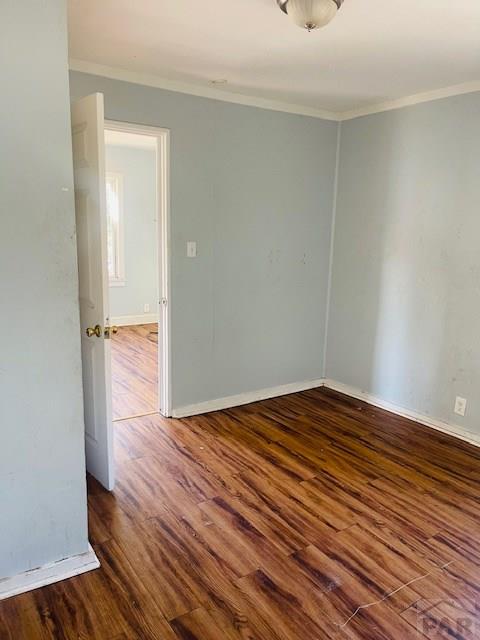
(136, 185)
(95, 272)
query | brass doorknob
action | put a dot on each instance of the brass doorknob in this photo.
(109, 330)
(95, 331)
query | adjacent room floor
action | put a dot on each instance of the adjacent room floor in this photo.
(135, 371)
(304, 517)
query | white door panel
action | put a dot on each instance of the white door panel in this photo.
(90, 210)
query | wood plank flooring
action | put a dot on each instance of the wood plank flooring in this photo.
(134, 371)
(307, 517)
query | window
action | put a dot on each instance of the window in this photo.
(115, 244)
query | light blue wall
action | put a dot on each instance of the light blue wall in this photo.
(42, 463)
(254, 188)
(138, 168)
(405, 306)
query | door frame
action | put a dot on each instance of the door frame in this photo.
(163, 231)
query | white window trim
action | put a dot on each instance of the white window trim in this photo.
(120, 280)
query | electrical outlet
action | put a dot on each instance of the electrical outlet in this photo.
(460, 406)
(146, 308)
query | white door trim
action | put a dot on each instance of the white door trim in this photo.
(163, 227)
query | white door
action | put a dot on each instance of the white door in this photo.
(90, 207)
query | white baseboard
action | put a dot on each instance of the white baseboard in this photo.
(295, 387)
(48, 574)
(126, 321)
(428, 421)
(245, 398)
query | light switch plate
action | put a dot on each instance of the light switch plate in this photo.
(191, 249)
(460, 406)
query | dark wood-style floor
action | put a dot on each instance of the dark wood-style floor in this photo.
(281, 520)
(134, 371)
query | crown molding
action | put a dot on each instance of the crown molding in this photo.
(408, 101)
(150, 80)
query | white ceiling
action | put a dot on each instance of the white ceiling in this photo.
(373, 51)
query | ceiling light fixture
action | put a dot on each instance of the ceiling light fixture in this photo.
(310, 14)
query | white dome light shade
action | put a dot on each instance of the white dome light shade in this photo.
(311, 14)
